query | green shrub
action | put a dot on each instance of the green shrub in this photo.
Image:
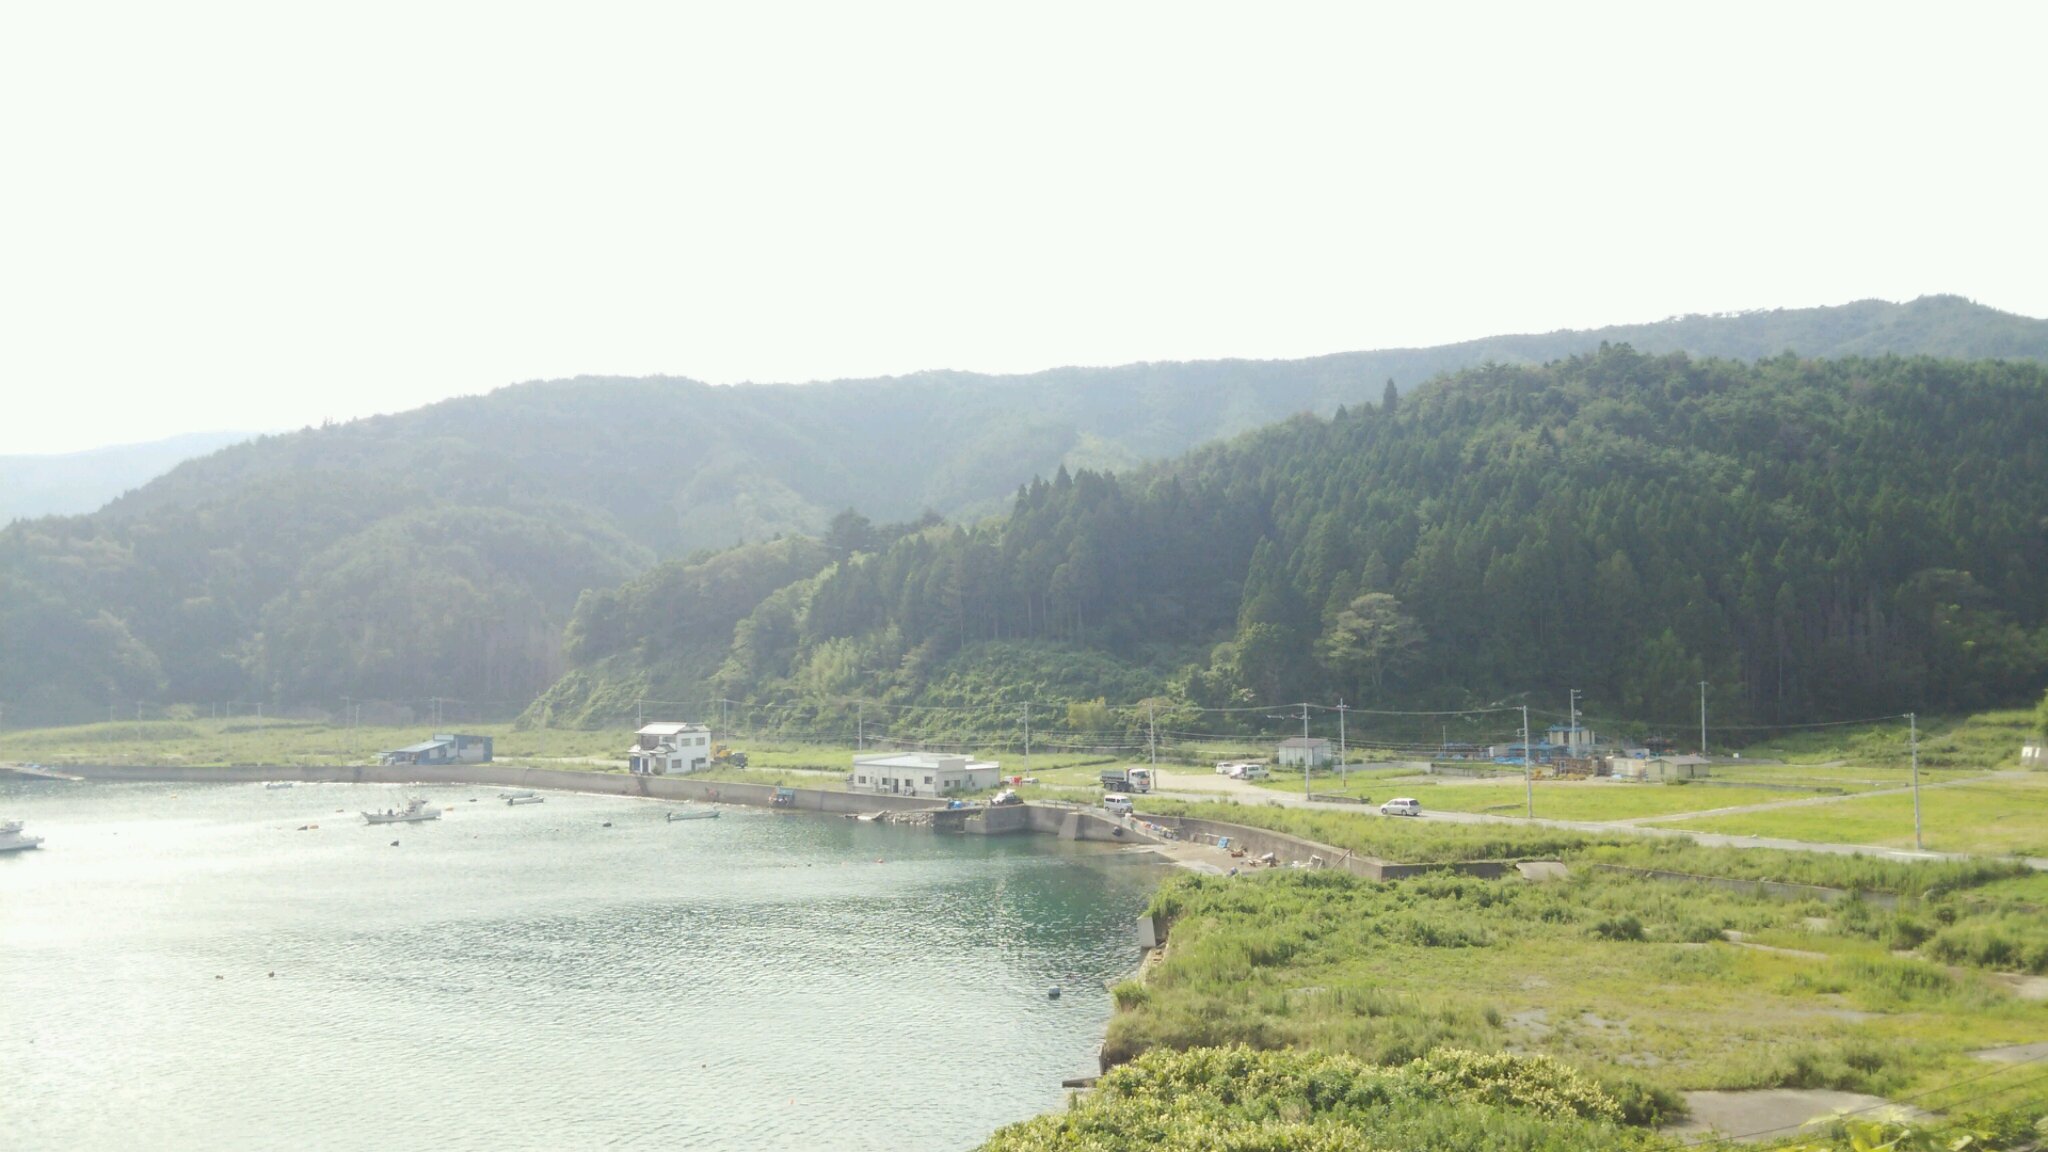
(1617, 928)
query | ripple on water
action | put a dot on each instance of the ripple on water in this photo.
(525, 977)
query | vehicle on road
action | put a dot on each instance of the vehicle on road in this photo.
(1401, 806)
(1006, 797)
(1128, 779)
(1117, 804)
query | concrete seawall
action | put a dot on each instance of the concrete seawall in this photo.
(1065, 823)
(1288, 849)
(514, 776)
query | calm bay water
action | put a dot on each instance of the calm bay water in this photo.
(526, 977)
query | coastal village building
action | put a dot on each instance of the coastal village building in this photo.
(669, 749)
(1664, 768)
(921, 774)
(2034, 755)
(1313, 751)
(444, 748)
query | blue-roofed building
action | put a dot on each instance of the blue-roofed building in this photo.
(444, 748)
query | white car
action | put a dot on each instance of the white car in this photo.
(1117, 804)
(1401, 806)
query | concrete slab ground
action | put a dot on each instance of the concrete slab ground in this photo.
(1774, 1113)
(2014, 1053)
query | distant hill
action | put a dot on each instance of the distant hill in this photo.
(440, 551)
(62, 484)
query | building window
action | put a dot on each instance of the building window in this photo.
(927, 779)
(860, 779)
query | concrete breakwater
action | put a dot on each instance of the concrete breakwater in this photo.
(1288, 850)
(1066, 823)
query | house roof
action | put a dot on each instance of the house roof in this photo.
(928, 761)
(1309, 742)
(425, 746)
(667, 729)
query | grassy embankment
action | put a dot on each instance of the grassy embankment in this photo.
(246, 740)
(1630, 980)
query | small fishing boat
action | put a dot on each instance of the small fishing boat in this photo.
(279, 783)
(675, 814)
(516, 794)
(415, 810)
(528, 798)
(13, 839)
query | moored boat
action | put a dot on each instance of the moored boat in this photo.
(676, 814)
(415, 810)
(13, 839)
(516, 794)
(528, 798)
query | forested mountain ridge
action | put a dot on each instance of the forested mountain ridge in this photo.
(440, 551)
(1828, 538)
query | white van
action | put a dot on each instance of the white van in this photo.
(1252, 772)
(1401, 806)
(1117, 804)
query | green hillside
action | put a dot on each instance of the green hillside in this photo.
(439, 552)
(1837, 538)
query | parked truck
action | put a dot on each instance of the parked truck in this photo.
(1127, 780)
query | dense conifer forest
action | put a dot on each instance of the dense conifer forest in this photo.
(1831, 538)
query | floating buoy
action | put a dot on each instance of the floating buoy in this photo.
(273, 975)
(607, 823)
(1054, 993)
(394, 843)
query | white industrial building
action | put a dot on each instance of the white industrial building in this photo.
(922, 774)
(670, 749)
(1313, 751)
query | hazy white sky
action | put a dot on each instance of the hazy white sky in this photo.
(263, 215)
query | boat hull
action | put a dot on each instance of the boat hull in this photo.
(400, 818)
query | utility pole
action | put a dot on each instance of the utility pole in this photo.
(1343, 751)
(1575, 714)
(639, 717)
(1913, 738)
(1528, 769)
(1703, 719)
(860, 725)
(1027, 735)
(1308, 759)
(1152, 735)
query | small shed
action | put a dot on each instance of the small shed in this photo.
(1313, 751)
(443, 748)
(2034, 755)
(1676, 768)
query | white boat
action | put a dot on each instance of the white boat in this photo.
(519, 794)
(676, 814)
(415, 810)
(279, 783)
(13, 839)
(529, 798)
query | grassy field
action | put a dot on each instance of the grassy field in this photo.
(1584, 799)
(246, 740)
(1630, 980)
(1993, 815)
(1988, 741)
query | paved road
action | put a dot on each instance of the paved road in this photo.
(1196, 788)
